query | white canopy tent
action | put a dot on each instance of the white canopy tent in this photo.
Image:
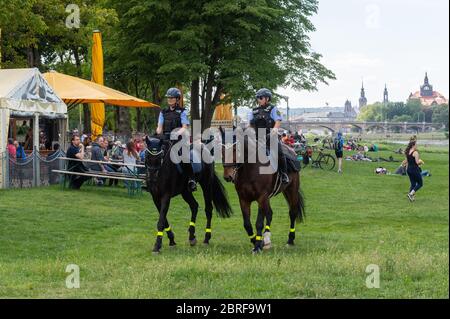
(25, 93)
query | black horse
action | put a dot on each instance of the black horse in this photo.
(165, 181)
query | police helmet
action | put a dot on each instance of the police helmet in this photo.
(264, 93)
(173, 92)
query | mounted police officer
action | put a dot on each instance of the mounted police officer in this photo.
(268, 116)
(175, 117)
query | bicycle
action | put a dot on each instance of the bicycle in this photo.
(323, 161)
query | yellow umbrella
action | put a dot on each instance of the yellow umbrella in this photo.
(97, 109)
(223, 112)
(180, 87)
(73, 91)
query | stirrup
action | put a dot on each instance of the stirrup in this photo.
(284, 178)
(192, 185)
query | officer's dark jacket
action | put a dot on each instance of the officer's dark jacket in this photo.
(262, 118)
(172, 119)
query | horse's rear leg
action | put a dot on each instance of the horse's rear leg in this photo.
(294, 200)
(193, 205)
(291, 237)
(208, 213)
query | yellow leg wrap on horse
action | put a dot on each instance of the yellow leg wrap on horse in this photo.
(258, 238)
(168, 229)
(268, 227)
(252, 236)
(292, 230)
(192, 224)
(208, 230)
(160, 233)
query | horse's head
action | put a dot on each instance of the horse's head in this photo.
(229, 157)
(154, 157)
(229, 160)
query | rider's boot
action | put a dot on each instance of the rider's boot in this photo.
(192, 183)
(283, 168)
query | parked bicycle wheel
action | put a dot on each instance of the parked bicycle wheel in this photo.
(327, 162)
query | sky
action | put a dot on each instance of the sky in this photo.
(378, 41)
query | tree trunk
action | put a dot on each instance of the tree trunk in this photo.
(117, 117)
(33, 57)
(138, 110)
(30, 57)
(211, 101)
(195, 99)
(124, 120)
(86, 119)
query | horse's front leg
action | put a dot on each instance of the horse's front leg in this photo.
(170, 234)
(167, 227)
(193, 205)
(246, 213)
(262, 213)
(162, 222)
(267, 234)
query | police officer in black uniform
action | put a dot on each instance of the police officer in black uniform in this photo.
(268, 116)
(175, 117)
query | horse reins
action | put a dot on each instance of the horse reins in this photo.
(235, 166)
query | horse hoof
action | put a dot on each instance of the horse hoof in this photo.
(267, 242)
(193, 242)
(256, 251)
(290, 245)
(206, 243)
(156, 252)
(173, 245)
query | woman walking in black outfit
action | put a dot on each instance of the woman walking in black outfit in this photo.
(413, 170)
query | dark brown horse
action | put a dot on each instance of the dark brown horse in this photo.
(252, 186)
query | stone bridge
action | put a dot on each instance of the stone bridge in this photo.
(363, 127)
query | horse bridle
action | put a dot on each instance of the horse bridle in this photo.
(161, 158)
(235, 166)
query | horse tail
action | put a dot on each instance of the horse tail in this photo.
(220, 198)
(301, 207)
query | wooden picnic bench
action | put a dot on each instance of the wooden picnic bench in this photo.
(132, 176)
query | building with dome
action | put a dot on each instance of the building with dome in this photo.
(427, 96)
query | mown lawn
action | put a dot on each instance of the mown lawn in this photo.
(353, 220)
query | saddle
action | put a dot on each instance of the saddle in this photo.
(196, 162)
(294, 164)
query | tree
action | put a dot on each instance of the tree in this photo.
(395, 109)
(440, 115)
(220, 47)
(35, 35)
(373, 113)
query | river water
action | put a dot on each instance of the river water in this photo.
(425, 142)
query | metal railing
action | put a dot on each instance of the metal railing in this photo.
(33, 171)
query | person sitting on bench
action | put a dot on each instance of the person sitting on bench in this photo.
(76, 151)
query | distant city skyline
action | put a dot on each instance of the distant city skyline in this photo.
(378, 42)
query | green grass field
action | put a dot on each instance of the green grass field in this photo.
(353, 220)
